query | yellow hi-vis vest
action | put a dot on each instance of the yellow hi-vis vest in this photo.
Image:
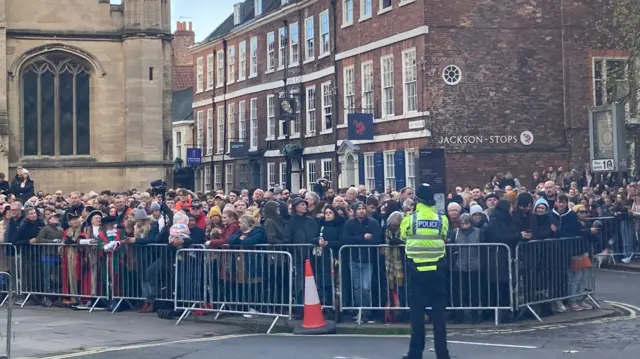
(424, 233)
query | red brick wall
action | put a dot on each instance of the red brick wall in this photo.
(183, 37)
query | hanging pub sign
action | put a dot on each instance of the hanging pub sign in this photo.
(287, 108)
(360, 126)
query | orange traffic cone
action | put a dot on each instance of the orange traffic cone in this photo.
(312, 317)
(313, 321)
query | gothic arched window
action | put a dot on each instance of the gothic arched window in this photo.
(55, 103)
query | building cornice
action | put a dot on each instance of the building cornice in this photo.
(116, 36)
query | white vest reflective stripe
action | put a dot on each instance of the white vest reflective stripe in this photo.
(425, 246)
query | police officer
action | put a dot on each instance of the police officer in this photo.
(424, 234)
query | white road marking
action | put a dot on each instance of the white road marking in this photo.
(494, 345)
(151, 345)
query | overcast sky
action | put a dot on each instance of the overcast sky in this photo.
(205, 15)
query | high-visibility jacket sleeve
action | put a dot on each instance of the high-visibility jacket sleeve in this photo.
(445, 227)
(405, 228)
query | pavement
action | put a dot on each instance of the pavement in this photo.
(59, 334)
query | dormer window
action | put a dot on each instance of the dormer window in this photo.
(284, 2)
(257, 7)
(236, 14)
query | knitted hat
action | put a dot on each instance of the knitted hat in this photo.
(140, 214)
(356, 204)
(215, 211)
(475, 209)
(179, 231)
(155, 206)
(181, 218)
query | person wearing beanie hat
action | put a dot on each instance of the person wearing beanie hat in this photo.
(478, 218)
(215, 211)
(301, 228)
(466, 274)
(522, 213)
(155, 206)
(454, 210)
(543, 221)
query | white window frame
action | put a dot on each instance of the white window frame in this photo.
(295, 124)
(271, 174)
(349, 90)
(228, 174)
(207, 178)
(283, 175)
(326, 165)
(257, 6)
(253, 60)
(389, 178)
(410, 167)
(409, 81)
(368, 97)
(311, 123)
(242, 121)
(210, 131)
(231, 124)
(236, 14)
(210, 71)
(217, 177)
(220, 121)
(311, 180)
(282, 48)
(326, 104)
(604, 73)
(242, 61)
(199, 129)
(178, 144)
(309, 39)
(253, 123)
(369, 171)
(325, 37)
(231, 65)
(271, 52)
(199, 75)
(388, 104)
(294, 45)
(382, 9)
(347, 13)
(271, 117)
(220, 66)
(364, 6)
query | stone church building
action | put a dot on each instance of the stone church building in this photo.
(85, 92)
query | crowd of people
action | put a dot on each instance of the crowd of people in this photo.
(74, 231)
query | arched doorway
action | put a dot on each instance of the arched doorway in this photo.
(350, 171)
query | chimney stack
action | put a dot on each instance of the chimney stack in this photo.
(183, 71)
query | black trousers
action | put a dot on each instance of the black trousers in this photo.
(427, 289)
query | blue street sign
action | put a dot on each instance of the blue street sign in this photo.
(194, 156)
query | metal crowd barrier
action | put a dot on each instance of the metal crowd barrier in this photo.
(8, 265)
(141, 272)
(550, 271)
(375, 278)
(8, 336)
(250, 281)
(618, 238)
(79, 273)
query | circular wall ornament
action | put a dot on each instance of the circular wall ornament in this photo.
(452, 75)
(526, 138)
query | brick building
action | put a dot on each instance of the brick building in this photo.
(503, 86)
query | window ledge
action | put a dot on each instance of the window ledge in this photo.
(309, 60)
(208, 89)
(270, 139)
(219, 86)
(326, 132)
(385, 10)
(405, 116)
(231, 82)
(253, 149)
(342, 125)
(270, 71)
(253, 76)
(241, 79)
(294, 136)
(295, 64)
(346, 25)
(199, 91)
(280, 68)
(312, 134)
(405, 2)
(322, 56)
(282, 137)
(364, 18)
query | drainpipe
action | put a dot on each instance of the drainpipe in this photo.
(336, 93)
(213, 113)
(223, 168)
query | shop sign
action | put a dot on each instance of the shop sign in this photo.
(525, 138)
